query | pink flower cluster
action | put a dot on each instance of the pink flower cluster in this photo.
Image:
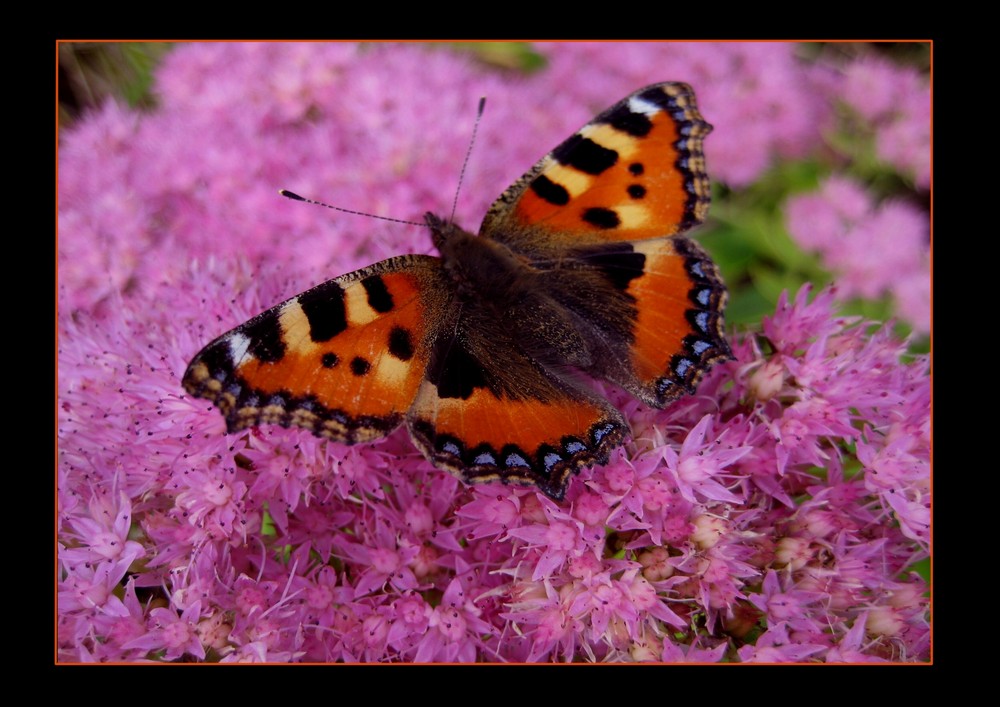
(894, 101)
(874, 246)
(873, 249)
(774, 516)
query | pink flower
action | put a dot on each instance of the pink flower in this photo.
(556, 542)
(775, 646)
(902, 479)
(694, 470)
(211, 499)
(786, 607)
(895, 100)
(380, 560)
(120, 622)
(174, 635)
(411, 621)
(544, 618)
(452, 624)
(88, 587)
(492, 514)
(674, 653)
(104, 534)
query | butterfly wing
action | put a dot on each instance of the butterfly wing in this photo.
(601, 214)
(669, 318)
(489, 411)
(344, 359)
(636, 171)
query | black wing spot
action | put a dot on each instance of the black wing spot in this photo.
(379, 297)
(618, 262)
(624, 119)
(329, 360)
(601, 217)
(324, 308)
(265, 336)
(360, 366)
(636, 191)
(217, 359)
(549, 191)
(401, 343)
(458, 374)
(585, 155)
(659, 98)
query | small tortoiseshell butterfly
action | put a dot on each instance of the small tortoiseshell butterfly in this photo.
(579, 267)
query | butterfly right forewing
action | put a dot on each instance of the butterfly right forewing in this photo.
(612, 200)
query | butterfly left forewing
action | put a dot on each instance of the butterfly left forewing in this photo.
(343, 360)
(636, 171)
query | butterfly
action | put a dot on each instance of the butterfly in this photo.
(579, 270)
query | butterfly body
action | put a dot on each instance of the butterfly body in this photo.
(483, 353)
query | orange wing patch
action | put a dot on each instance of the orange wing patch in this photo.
(344, 359)
(679, 332)
(529, 441)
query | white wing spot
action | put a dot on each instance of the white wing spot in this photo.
(391, 371)
(238, 347)
(642, 106)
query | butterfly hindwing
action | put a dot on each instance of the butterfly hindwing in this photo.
(675, 329)
(343, 359)
(636, 171)
(506, 418)
(647, 316)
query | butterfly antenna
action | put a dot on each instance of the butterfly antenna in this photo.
(296, 197)
(468, 153)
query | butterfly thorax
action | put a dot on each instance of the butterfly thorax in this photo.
(509, 297)
(482, 270)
